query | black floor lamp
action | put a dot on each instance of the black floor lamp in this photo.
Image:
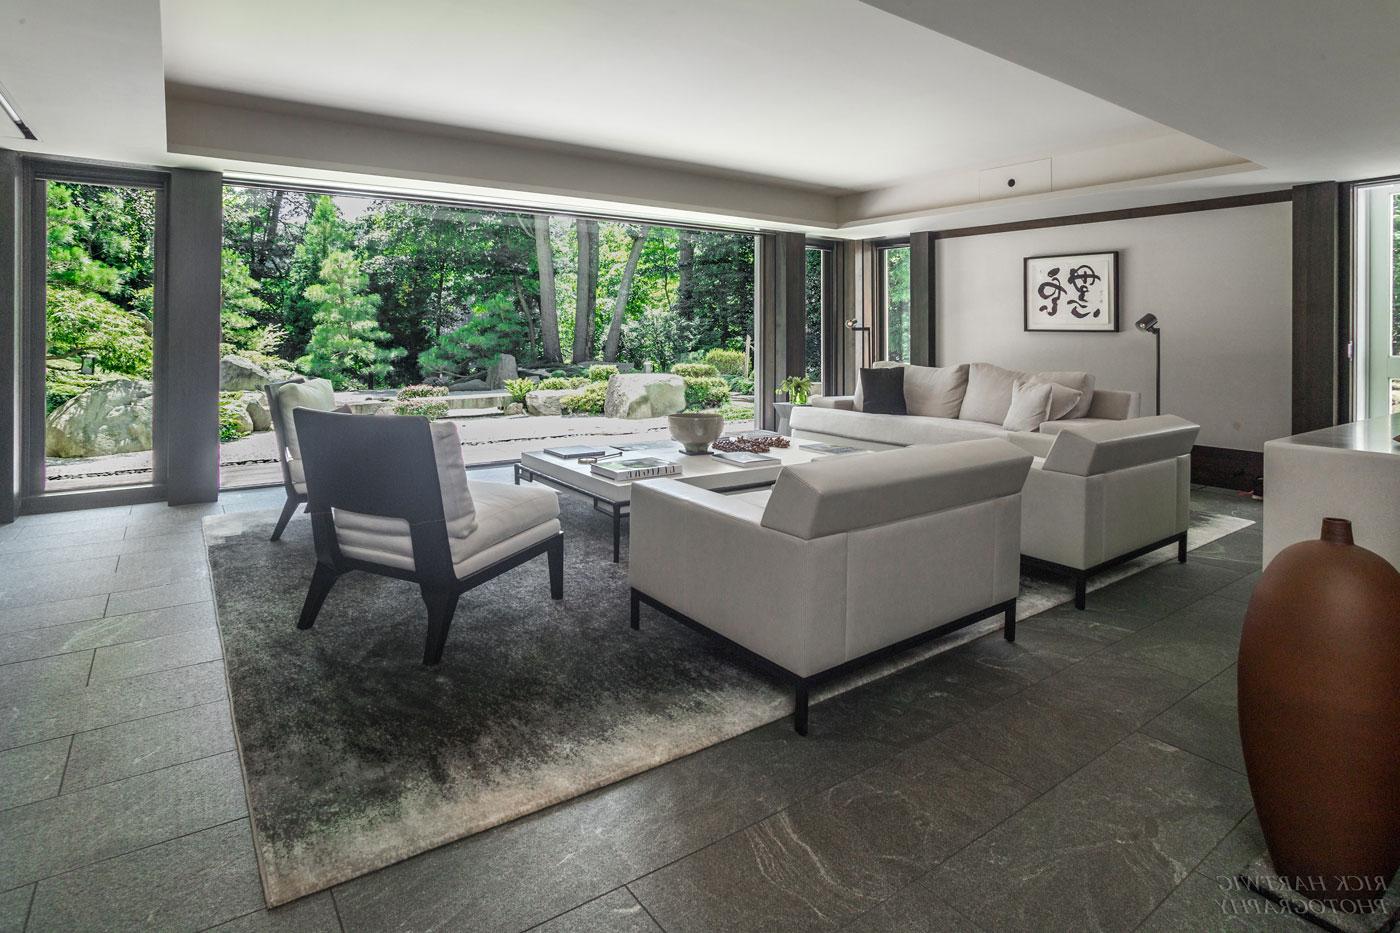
(1148, 325)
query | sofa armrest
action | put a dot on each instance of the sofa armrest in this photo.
(843, 402)
(1037, 445)
(706, 556)
(1115, 404)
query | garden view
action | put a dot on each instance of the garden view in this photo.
(409, 306)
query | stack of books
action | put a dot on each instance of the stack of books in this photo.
(630, 468)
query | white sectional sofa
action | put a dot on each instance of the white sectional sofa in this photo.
(955, 403)
(816, 572)
(1106, 485)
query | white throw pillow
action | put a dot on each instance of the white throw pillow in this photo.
(1063, 399)
(859, 400)
(1083, 383)
(316, 394)
(988, 396)
(1030, 406)
(935, 391)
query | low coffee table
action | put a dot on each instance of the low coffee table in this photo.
(615, 498)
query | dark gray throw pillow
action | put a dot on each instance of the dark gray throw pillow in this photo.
(883, 391)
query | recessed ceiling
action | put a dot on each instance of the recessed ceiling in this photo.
(827, 94)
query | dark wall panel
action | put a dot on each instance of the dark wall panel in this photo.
(1316, 290)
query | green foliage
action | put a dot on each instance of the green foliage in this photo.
(240, 307)
(233, 416)
(494, 328)
(695, 370)
(82, 324)
(423, 408)
(601, 373)
(897, 303)
(587, 402)
(728, 362)
(798, 389)
(61, 384)
(519, 388)
(705, 392)
(658, 335)
(563, 382)
(420, 391)
(558, 374)
(737, 412)
(741, 384)
(346, 345)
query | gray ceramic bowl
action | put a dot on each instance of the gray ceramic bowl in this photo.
(696, 430)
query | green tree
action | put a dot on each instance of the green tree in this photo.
(240, 309)
(721, 290)
(346, 342)
(897, 303)
(493, 328)
(325, 232)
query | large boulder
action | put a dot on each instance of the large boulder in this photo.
(470, 385)
(239, 375)
(110, 418)
(644, 395)
(546, 401)
(502, 369)
(255, 403)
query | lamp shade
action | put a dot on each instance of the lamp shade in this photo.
(1147, 323)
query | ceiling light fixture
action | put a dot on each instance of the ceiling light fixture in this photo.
(14, 116)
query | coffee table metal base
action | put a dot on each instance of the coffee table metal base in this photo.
(618, 510)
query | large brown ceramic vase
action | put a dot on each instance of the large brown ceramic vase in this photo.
(1319, 679)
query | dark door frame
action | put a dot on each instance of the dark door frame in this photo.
(36, 173)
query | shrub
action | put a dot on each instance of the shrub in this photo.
(495, 327)
(420, 391)
(659, 335)
(519, 388)
(559, 374)
(695, 370)
(563, 382)
(728, 362)
(422, 407)
(741, 384)
(233, 416)
(737, 412)
(705, 392)
(601, 373)
(588, 402)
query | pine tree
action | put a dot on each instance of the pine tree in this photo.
(346, 344)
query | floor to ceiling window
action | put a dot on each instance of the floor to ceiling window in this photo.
(99, 346)
(818, 288)
(1377, 299)
(385, 296)
(894, 296)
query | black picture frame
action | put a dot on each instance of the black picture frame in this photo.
(1112, 316)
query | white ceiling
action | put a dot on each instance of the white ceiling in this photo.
(831, 94)
(839, 117)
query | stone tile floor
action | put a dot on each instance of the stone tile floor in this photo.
(1088, 777)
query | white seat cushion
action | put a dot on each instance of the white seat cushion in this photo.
(896, 430)
(502, 513)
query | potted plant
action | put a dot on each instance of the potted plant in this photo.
(798, 390)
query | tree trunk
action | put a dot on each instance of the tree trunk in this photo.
(549, 311)
(524, 304)
(685, 262)
(586, 297)
(274, 217)
(624, 292)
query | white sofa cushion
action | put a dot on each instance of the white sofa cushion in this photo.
(935, 391)
(1030, 406)
(988, 396)
(316, 394)
(1083, 383)
(1117, 445)
(895, 430)
(842, 494)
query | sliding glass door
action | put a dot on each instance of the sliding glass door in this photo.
(93, 349)
(1377, 297)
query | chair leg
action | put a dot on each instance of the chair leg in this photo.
(289, 508)
(1081, 586)
(322, 579)
(636, 610)
(442, 605)
(1008, 629)
(799, 719)
(1181, 550)
(556, 568)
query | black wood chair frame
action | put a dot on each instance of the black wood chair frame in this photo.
(1080, 578)
(386, 466)
(802, 686)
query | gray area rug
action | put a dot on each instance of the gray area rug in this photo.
(356, 756)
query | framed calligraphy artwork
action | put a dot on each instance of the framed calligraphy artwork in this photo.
(1076, 292)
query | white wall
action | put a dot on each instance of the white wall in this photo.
(1220, 281)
